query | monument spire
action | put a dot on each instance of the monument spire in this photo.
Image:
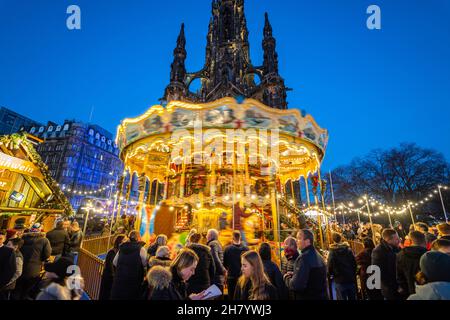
(228, 71)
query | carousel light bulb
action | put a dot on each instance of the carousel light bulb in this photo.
(227, 198)
(291, 201)
(361, 201)
(158, 207)
(435, 191)
(186, 207)
(445, 187)
(199, 205)
(171, 208)
(238, 196)
(267, 196)
(253, 197)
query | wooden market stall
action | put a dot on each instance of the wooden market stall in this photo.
(28, 193)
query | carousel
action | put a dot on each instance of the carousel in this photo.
(228, 165)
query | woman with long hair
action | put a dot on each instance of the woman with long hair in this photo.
(108, 271)
(170, 283)
(254, 283)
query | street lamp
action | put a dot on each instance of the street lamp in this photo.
(88, 210)
(442, 201)
(370, 218)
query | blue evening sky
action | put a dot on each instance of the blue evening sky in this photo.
(371, 89)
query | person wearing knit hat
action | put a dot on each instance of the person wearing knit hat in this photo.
(434, 277)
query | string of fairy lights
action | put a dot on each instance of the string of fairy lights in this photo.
(87, 192)
(382, 208)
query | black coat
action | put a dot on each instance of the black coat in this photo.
(408, 265)
(107, 276)
(36, 250)
(217, 254)
(243, 294)
(151, 251)
(232, 259)
(342, 264)
(59, 240)
(7, 265)
(75, 240)
(385, 257)
(205, 271)
(309, 281)
(276, 279)
(129, 274)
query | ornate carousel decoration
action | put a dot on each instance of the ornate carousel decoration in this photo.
(225, 156)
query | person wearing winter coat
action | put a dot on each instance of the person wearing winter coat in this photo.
(161, 240)
(36, 249)
(108, 270)
(162, 258)
(254, 283)
(400, 231)
(433, 278)
(59, 240)
(205, 271)
(363, 261)
(309, 279)
(15, 244)
(56, 286)
(8, 267)
(212, 238)
(290, 255)
(272, 271)
(408, 263)
(130, 263)
(171, 283)
(232, 261)
(342, 267)
(75, 237)
(385, 257)
(429, 237)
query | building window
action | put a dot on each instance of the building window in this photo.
(41, 129)
(66, 127)
(97, 136)
(91, 132)
(58, 128)
(50, 129)
(33, 130)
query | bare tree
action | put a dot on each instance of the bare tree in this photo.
(407, 172)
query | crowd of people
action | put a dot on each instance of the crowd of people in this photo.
(24, 254)
(392, 266)
(411, 266)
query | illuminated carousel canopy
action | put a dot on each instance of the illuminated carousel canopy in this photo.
(148, 142)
